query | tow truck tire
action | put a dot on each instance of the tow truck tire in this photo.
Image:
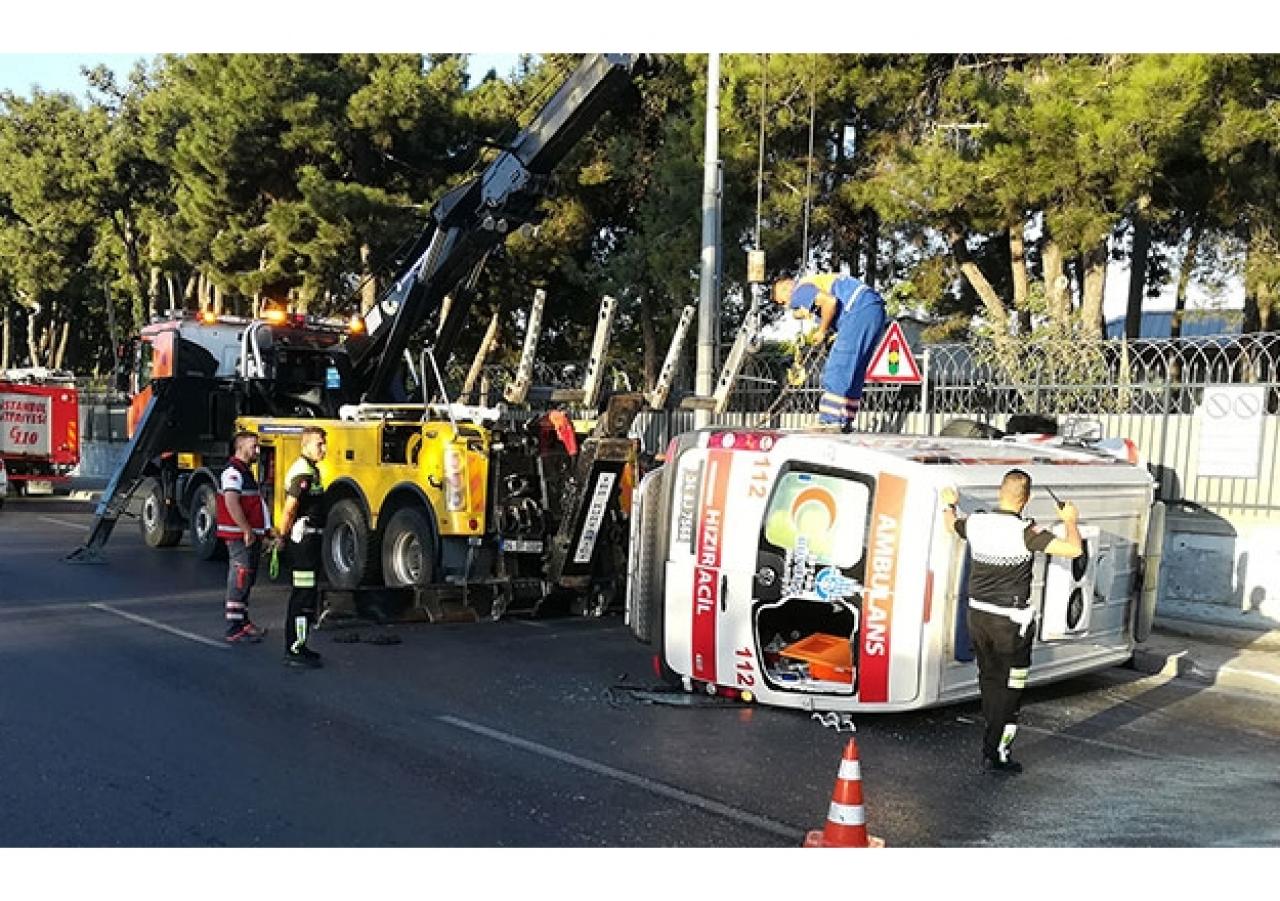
(408, 549)
(347, 546)
(153, 518)
(204, 525)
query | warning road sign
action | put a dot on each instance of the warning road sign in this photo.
(892, 362)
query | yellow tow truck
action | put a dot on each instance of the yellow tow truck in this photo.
(477, 520)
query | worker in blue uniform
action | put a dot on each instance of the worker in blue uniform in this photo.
(856, 311)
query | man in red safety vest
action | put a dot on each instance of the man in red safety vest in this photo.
(243, 525)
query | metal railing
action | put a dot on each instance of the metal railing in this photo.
(1149, 391)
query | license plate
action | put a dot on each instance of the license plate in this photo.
(39, 486)
(521, 546)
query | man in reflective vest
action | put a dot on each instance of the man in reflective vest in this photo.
(301, 526)
(1002, 546)
(242, 525)
(857, 313)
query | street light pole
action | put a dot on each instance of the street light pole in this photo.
(709, 284)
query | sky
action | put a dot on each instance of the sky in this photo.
(19, 72)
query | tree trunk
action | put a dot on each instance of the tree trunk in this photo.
(1056, 284)
(1184, 278)
(649, 339)
(1138, 271)
(1251, 320)
(871, 243)
(1094, 264)
(133, 262)
(151, 303)
(1021, 285)
(60, 347)
(5, 336)
(33, 338)
(369, 281)
(997, 312)
(1265, 302)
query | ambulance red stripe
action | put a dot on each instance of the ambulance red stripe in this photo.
(876, 630)
(707, 555)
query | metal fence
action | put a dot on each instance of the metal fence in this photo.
(1148, 391)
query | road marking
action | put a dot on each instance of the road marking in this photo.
(658, 788)
(73, 604)
(142, 620)
(66, 525)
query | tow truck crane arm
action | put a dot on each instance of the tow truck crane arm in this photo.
(475, 217)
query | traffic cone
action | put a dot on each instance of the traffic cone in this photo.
(846, 819)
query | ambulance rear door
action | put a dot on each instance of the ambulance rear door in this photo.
(719, 491)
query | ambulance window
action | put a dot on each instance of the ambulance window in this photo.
(827, 512)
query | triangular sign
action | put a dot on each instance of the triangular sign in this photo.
(892, 362)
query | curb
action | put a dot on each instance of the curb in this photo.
(1217, 631)
(1182, 665)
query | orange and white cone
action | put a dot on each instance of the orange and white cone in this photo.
(846, 825)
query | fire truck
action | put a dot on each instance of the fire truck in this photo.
(39, 426)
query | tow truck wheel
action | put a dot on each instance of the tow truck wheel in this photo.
(408, 549)
(347, 546)
(154, 518)
(204, 525)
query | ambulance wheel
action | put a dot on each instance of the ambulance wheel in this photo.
(204, 525)
(347, 547)
(154, 519)
(408, 549)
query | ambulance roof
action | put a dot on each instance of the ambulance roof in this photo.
(966, 460)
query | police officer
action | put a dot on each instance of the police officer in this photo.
(1002, 545)
(242, 525)
(301, 527)
(857, 313)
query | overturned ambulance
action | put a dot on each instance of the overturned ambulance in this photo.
(813, 570)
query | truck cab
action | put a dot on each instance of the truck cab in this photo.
(214, 369)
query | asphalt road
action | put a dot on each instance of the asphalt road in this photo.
(125, 721)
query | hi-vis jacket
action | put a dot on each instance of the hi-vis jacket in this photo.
(239, 478)
(302, 482)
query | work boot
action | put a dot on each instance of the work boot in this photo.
(245, 632)
(304, 657)
(1009, 767)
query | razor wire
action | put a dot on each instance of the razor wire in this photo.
(977, 379)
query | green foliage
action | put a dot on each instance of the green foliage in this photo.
(215, 176)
